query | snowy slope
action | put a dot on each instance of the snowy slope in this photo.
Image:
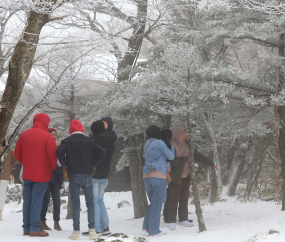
(226, 222)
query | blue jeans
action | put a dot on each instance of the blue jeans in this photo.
(33, 194)
(54, 190)
(75, 182)
(101, 216)
(156, 190)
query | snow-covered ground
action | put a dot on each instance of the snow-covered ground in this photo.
(228, 221)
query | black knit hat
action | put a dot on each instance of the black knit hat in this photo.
(153, 132)
(97, 127)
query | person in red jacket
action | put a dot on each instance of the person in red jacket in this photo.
(36, 151)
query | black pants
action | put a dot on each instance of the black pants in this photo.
(54, 190)
(178, 194)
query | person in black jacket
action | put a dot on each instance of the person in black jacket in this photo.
(54, 189)
(80, 153)
(105, 137)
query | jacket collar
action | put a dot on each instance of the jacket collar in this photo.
(77, 132)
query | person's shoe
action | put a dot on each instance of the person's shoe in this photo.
(172, 226)
(57, 226)
(44, 226)
(74, 235)
(26, 233)
(40, 233)
(93, 234)
(157, 235)
(106, 232)
(187, 223)
(0, 215)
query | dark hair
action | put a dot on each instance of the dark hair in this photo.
(153, 132)
(97, 127)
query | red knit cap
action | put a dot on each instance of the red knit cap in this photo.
(51, 130)
(75, 125)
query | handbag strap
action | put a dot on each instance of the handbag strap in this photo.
(147, 146)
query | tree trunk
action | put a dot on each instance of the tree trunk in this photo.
(258, 157)
(199, 212)
(167, 121)
(19, 68)
(214, 197)
(135, 157)
(240, 161)
(135, 41)
(69, 206)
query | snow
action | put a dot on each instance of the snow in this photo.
(227, 221)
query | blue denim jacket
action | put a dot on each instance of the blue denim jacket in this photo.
(157, 155)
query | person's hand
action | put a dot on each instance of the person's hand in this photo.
(189, 160)
(57, 143)
(215, 167)
(168, 178)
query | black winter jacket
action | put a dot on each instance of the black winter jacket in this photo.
(80, 153)
(106, 141)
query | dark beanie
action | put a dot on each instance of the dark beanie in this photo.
(97, 127)
(153, 132)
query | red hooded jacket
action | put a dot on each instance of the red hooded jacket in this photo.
(36, 150)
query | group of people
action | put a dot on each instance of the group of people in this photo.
(166, 174)
(87, 163)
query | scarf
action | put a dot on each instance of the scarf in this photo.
(181, 149)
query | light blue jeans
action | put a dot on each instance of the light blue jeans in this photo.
(156, 190)
(101, 216)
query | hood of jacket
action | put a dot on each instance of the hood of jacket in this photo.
(109, 121)
(41, 120)
(75, 125)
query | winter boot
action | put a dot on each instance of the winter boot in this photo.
(172, 226)
(26, 233)
(40, 233)
(0, 215)
(57, 226)
(44, 226)
(74, 235)
(92, 234)
(106, 232)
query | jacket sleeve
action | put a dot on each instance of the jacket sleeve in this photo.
(51, 152)
(202, 159)
(169, 154)
(61, 153)
(99, 153)
(18, 151)
(110, 136)
(178, 161)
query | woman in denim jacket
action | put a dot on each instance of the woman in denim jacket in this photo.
(156, 154)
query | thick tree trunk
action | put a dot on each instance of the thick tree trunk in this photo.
(240, 161)
(214, 197)
(135, 157)
(167, 121)
(19, 68)
(199, 212)
(281, 144)
(135, 40)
